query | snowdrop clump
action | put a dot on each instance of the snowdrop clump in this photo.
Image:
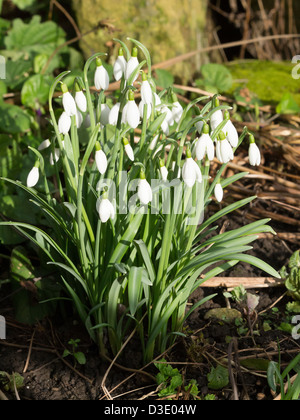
(133, 181)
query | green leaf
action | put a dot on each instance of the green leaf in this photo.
(34, 37)
(164, 78)
(24, 4)
(218, 377)
(80, 357)
(217, 78)
(13, 119)
(288, 105)
(35, 91)
(134, 287)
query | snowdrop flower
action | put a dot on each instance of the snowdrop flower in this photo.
(177, 109)
(163, 170)
(204, 145)
(141, 109)
(146, 91)
(119, 66)
(64, 123)
(100, 158)
(199, 126)
(131, 112)
(44, 145)
(153, 143)
(128, 149)
(56, 156)
(254, 152)
(231, 131)
(132, 64)
(114, 114)
(68, 101)
(80, 99)
(168, 121)
(106, 209)
(191, 171)
(101, 78)
(157, 100)
(104, 116)
(79, 118)
(217, 117)
(224, 151)
(144, 189)
(33, 176)
(218, 191)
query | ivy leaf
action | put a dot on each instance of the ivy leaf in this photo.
(35, 91)
(13, 119)
(216, 78)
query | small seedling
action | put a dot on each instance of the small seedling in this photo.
(292, 281)
(170, 381)
(78, 356)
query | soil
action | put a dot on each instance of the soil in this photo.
(35, 352)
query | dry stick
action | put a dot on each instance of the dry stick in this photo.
(3, 396)
(66, 13)
(231, 374)
(29, 352)
(246, 28)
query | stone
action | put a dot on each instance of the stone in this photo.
(227, 315)
(166, 28)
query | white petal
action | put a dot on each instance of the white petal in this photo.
(104, 116)
(254, 155)
(144, 191)
(218, 192)
(79, 119)
(80, 100)
(101, 78)
(64, 123)
(106, 210)
(129, 152)
(132, 114)
(131, 66)
(113, 114)
(141, 110)
(153, 142)
(56, 154)
(33, 177)
(44, 145)
(69, 104)
(188, 172)
(200, 147)
(216, 119)
(226, 151)
(101, 161)
(164, 173)
(210, 149)
(146, 92)
(177, 111)
(157, 100)
(119, 67)
(232, 134)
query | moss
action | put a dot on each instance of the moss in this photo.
(166, 28)
(267, 79)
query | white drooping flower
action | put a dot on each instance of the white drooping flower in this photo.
(131, 113)
(205, 145)
(141, 109)
(79, 118)
(157, 100)
(64, 123)
(224, 150)
(80, 99)
(114, 114)
(100, 158)
(230, 131)
(132, 64)
(153, 142)
(105, 209)
(191, 171)
(146, 91)
(168, 121)
(254, 152)
(119, 66)
(163, 170)
(68, 101)
(56, 156)
(128, 149)
(144, 190)
(101, 78)
(44, 145)
(104, 116)
(216, 119)
(218, 191)
(33, 176)
(177, 109)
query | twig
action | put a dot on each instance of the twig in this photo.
(3, 396)
(29, 353)
(231, 374)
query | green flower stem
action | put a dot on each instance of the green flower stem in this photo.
(144, 127)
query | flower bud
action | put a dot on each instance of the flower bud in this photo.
(101, 78)
(119, 66)
(33, 176)
(100, 158)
